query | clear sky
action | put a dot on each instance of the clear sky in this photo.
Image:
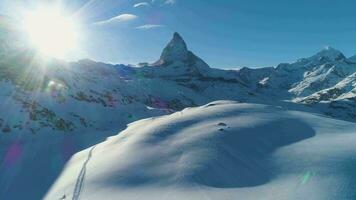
(225, 33)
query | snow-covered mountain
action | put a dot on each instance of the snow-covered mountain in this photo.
(63, 96)
(52, 109)
(320, 81)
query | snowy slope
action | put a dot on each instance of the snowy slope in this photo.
(345, 89)
(223, 150)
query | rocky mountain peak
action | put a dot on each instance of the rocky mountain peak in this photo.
(176, 50)
(328, 53)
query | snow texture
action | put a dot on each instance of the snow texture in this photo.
(223, 150)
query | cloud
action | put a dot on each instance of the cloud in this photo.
(117, 19)
(169, 2)
(149, 26)
(164, 2)
(142, 4)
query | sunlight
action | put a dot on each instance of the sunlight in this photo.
(51, 32)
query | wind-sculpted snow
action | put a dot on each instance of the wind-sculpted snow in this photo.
(223, 150)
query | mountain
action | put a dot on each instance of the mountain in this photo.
(52, 109)
(222, 150)
(321, 81)
(179, 60)
(308, 75)
(175, 51)
(352, 58)
(40, 91)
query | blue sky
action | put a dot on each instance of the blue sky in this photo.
(225, 33)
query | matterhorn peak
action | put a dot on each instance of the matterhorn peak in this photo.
(177, 56)
(178, 39)
(176, 50)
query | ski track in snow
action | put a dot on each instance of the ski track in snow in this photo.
(81, 178)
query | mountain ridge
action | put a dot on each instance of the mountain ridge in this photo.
(177, 65)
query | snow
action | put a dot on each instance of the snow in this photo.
(223, 150)
(328, 53)
(51, 111)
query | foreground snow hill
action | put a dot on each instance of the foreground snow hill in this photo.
(223, 150)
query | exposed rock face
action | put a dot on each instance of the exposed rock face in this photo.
(179, 61)
(176, 50)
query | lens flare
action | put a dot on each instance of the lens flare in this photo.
(50, 31)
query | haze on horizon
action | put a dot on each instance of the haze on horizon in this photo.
(230, 33)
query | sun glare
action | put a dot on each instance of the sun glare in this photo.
(50, 32)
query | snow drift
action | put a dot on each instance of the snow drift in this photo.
(223, 150)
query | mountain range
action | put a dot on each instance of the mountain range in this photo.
(52, 109)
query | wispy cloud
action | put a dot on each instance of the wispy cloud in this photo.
(170, 2)
(142, 4)
(117, 19)
(149, 26)
(164, 2)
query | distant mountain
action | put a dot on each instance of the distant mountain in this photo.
(320, 81)
(54, 109)
(352, 58)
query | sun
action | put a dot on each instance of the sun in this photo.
(50, 31)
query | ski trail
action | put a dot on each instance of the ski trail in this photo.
(80, 180)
